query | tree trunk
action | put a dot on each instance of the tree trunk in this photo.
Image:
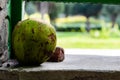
(66, 12)
(51, 11)
(113, 19)
(88, 25)
(43, 9)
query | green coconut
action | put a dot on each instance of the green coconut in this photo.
(33, 41)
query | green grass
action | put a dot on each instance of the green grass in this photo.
(84, 40)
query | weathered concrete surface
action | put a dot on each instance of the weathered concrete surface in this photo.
(7, 75)
(81, 62)
(3, 3)
(3, 26)
(74, 67)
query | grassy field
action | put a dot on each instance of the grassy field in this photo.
(80, 40)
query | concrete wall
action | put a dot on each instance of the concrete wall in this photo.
(3, 26)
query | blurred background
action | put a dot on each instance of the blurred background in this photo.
(80, 25)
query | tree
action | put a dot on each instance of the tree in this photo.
(42, 7)
(87, 10)
(113, 11)
(68, 9)
(30, 8)
(55, 9)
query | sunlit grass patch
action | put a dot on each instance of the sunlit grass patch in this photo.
(84, 40)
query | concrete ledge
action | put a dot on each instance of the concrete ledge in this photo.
(74, 67)
(59, 75)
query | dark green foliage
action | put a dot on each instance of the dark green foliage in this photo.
(55, 9)
(68, 9)
(112, 11)
(87, 9)
(76, 27)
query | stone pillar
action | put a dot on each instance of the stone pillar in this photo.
(3, 27)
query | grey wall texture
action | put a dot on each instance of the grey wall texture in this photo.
(3, 27)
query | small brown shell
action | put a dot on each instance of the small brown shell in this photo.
(58, 55)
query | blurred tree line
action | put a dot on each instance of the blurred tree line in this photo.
(56, 10)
